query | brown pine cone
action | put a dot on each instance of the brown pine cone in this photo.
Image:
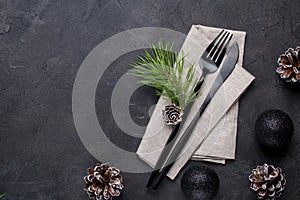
(103, 182)
(267, 181)
(289, 65)
(172, 114)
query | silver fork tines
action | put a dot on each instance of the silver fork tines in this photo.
(216, 50)
(213, 55)
(224, 45)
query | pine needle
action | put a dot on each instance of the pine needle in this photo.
(2, 195)
(163, 69)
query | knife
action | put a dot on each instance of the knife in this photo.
(223, 74)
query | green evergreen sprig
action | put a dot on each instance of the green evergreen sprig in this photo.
(2, 195)
(163, 69)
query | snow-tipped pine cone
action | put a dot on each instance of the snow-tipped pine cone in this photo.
(103, 182)
(289, 65)
(172, 114)
(267, 181)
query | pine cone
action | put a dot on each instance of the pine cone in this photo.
(268, 181)
(172, 114)
(289, 65)
(103, 182)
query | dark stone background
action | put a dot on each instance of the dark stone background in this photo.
(43, 43)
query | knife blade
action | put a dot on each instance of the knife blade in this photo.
(223, 74)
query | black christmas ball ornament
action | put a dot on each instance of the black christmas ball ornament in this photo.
(200, 182)
(273, 130)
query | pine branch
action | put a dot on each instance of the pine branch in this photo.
(2, 195)
(163, 69)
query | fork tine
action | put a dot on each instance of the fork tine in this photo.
(219, 47)
(210, 46)
(222, 54)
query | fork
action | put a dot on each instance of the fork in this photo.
(209, 62)
(213, 55)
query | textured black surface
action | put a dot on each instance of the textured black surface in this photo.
(43, 43)
(274, 130)
(200, 182)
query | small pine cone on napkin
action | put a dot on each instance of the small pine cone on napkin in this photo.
(289, 65)
(172, 114)
(267, 181)
(103, 182)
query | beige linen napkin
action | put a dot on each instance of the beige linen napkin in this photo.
(214, 137)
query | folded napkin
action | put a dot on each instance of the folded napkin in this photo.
(214, 137)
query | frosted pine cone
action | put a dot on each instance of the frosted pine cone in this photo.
(103, 182)
(172, 114)
(267, 181)
(289, 65)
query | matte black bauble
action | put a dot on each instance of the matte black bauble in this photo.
(274, 130)
(200, 182)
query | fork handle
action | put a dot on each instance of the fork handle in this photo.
(199, 84)
(180, 145)
(163, 156)
(201, 80)
(171, 140)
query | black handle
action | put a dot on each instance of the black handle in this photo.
(163, 156)
(171, 140)
(167, 148)
(187, 133)
(159, 175)
(199, 84)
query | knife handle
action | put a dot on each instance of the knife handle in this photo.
(186, 135)
(164, 154)
(171, 140)
(167, 148)
(160, 174)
